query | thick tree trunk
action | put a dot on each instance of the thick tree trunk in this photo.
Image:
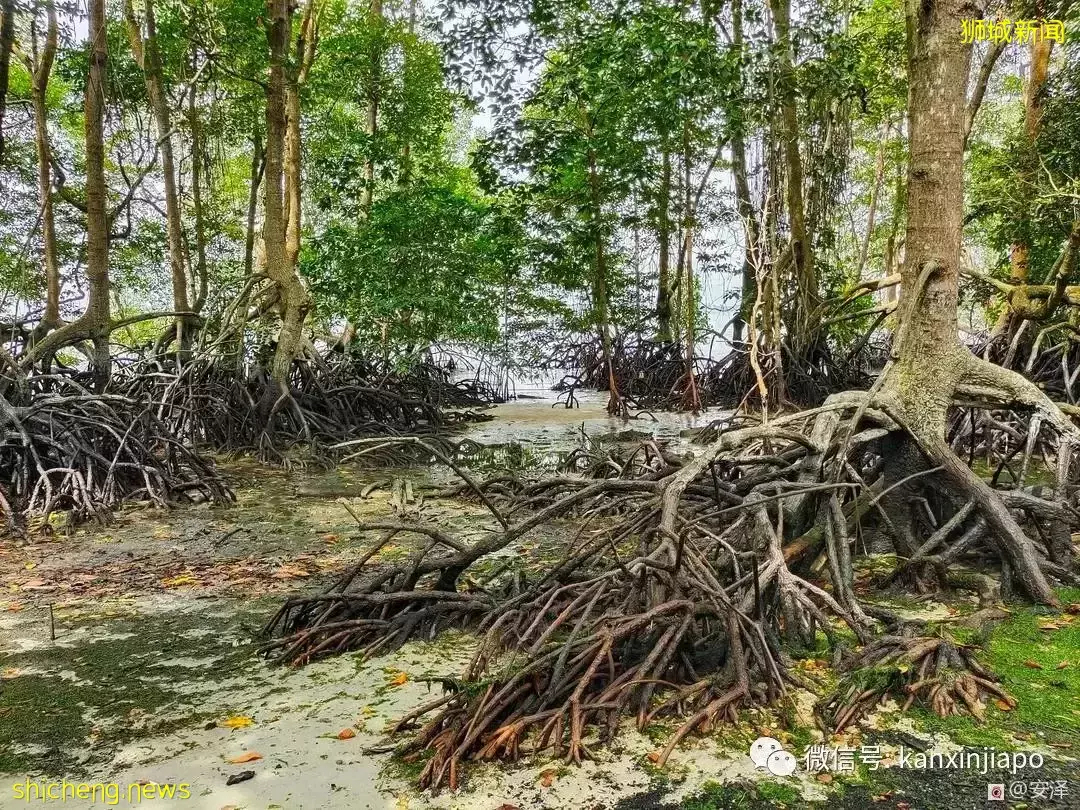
(292, 297)
(744, 204)
(930, 362)
(144, 47)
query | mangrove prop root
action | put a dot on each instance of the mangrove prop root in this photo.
(931, 671)
(85, 454)
(674, 593)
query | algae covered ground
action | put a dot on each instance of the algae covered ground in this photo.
(129, 656)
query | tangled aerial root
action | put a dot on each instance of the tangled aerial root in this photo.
(86, 453)
(935, 671)
(679, 585)
(210, 403)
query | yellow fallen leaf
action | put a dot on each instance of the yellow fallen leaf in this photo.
(1030, 664)
(654, 757)
(400, 679)
(180, 581)
(237, 721)
(10, 672)
(548, 776)
(346, 734)
(1062, 665)
(30, 566)
(248, 756)
(1004, 705)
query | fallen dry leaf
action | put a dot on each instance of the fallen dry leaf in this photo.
(1004, 705)
(237, 721)
(1032, 664)
(1062, 665)
(290, 572)
(248, 756)
(548, 776)
(825, 778)
(1074, 608)
(180, 581)
(400, 679)
(654, 757)
(346, 734)
(10, 672)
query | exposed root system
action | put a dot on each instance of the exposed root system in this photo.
(935, 672)
(681, 583)
(85, 453)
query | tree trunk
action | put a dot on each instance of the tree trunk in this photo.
(1019, 305)
(375, 20)
(663, 233)
(806, 287)
(97, 312)
(744, 204)
(292, 296)
(879, 176)
(600, 292)
(930, 361)
(195, 125)
(691, 400)
(7, 40)
(40, 74)
(144, 47)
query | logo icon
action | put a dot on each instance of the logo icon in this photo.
(995, 793)
(768, 753)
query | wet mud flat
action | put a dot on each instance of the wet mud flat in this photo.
(129, 654)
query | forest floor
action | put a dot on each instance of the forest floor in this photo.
(127, 655)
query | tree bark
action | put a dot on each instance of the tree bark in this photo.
(7, 42)
(930, 361)
(806, 286)
(879, 176)
(241, 313)
(40, 74)
(375, 20)
(691, 400)
(1019, 304)
(97, 312)
(740, 174)
(663, 233)
(144, 47)
(292, 296)
(615, 405)
(195, 126)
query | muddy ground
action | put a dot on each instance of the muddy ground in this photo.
(128, 656)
